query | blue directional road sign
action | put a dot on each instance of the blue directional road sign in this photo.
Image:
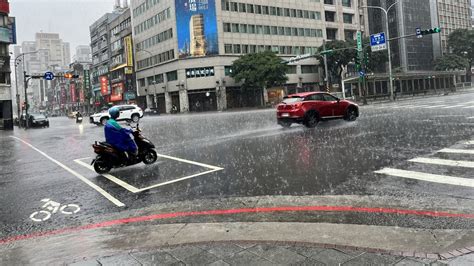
(378, 42)
(48, 76)
(362, 73)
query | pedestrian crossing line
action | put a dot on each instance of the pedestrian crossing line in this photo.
(441, 179)
(453, 106)
(468, 107)
(472, 117)
(457, 151)
(466, 164)
(471, 142)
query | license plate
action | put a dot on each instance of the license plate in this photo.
(285, 115)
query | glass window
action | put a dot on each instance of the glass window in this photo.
(228, 48)
(236, 49)
(291, 70)
(227, 27)
(347, 18)
(329, 97)
(309, 69)
(172, 75)
(227, 70)
(346, 3)
(251, 29)
(250, 8)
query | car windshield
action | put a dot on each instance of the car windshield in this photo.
(38, 116)
(292, 100)
(241, 132)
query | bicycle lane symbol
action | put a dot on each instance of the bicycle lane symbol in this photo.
(51, 207)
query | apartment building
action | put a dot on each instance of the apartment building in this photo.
(453, 15)
(184, 49)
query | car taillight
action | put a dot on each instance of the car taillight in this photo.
(296, 105)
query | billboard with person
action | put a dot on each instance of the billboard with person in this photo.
(196, 26)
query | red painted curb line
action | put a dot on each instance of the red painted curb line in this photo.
(239, 211)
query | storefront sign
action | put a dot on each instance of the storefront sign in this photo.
(81, 96)
(129, 50)
(104, 85)
(130, 95)
(87, 80)
(117, 90)
(72, 86)
(4, 6)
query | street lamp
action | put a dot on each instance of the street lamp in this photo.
(388, 45)
(154, 76)
(17, 62)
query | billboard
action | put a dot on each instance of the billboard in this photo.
(196, 25)
(72, 86)
(129, 50)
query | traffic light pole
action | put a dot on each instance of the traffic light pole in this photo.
(26, 79)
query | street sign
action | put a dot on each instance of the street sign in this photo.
(378, 42)
(418, 33)
(362, 73)
(359, 41)
(48, 76)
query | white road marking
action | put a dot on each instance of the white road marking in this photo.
(136, 190)
(457, 151)
(472, 117)
(471, 142)
(453, 106)
(82, 178)
(434, 106)
(442, 179)
(468, 107)
(466, 164)
(109, 177)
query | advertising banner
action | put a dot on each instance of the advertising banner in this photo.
(72, 86)
(81, 96)
(196, 26)
(129, 50)
(104, 85)
(87, 80)
(63, 94)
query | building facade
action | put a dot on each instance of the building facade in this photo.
(408, 54)
(453, 15)
(48, 52)
(121, 72)
(83, 54)
(184, 48)
(7, 37)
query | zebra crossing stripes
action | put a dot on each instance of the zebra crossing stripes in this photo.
(457, 151)
(442, 179)
(466, 164)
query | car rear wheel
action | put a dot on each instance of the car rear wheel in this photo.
(351, 114)
(285, 124)
(311, 119)
(103, 121)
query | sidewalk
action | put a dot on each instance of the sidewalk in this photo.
(406, 97)
(254, 253)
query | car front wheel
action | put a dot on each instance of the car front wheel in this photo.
(311, 119)
(135, 118)
(351, 114)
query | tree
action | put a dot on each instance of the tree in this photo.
(461, 42)
(343, 53)
(450, 62)
(260, 70)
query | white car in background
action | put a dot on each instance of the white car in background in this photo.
(127, 112)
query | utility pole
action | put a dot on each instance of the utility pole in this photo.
(326, 65)
(26, 98)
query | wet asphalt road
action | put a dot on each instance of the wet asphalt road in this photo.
(258, 158)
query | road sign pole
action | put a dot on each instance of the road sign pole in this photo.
(390, 78)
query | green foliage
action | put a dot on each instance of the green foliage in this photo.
(451, 62)
(337, 59)
(461, 42)
(259, 70)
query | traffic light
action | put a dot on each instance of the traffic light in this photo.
(70, 76)
(357, 63)
(431, 31)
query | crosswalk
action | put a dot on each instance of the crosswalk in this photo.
(465, 166)
(432, 105)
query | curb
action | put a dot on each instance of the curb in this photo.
(407, 254)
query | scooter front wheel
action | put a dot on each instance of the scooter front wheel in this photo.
(150, 156)
(101, 167)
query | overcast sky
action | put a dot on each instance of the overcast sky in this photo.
(70, 18)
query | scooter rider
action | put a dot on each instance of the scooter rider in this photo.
(117, 136)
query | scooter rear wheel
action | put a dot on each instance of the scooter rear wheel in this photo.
(150, 157)
(101, 167)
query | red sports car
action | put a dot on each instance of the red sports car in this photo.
(309, 108)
